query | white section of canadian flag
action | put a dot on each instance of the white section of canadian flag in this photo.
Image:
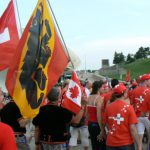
(77, 98)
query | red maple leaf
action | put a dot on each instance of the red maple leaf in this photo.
(74, 92)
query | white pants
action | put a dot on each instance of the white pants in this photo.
(143, 123)
(84, 134)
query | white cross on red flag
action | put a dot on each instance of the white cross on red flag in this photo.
(72, 99)
(9, 36)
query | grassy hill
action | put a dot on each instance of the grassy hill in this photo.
(138, 67)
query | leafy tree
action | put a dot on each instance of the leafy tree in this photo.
(141, 53)
(147, 51)
(122, 57)
(89, 71)
(118, 58)
(130, 58)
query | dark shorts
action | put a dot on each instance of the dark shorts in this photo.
(127, 147)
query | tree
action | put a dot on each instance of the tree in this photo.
(147, 51)
(141, 53)
(118, 58)
(122, 57)
(130, 58)
(90, 71)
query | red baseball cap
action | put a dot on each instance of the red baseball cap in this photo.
(145, 77)
(119, 89)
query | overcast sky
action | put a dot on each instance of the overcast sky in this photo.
(95, 29)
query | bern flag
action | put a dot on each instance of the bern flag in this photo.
(9, 36)
(72, 99)
(38, 64)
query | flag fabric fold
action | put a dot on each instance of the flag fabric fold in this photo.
(38, 64)
(9, 36)
(72, 98)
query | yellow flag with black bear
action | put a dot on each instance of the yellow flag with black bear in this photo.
(38, 63)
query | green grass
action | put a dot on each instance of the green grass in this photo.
(136, 68)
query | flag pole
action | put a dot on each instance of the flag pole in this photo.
(60, 33)
(15, 1)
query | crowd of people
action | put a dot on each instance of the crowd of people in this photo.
(113, 116)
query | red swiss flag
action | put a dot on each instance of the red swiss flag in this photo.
(127, 78)
(9, 36)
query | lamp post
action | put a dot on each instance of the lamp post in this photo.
(85, 63)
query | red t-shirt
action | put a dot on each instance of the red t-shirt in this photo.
(138, 96)
(146, 104)
(7, 138)
(119, 116)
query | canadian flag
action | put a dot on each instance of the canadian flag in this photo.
(72, 99)
(9, 35)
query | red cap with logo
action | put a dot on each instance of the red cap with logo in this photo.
(119, 89)
(145, 77)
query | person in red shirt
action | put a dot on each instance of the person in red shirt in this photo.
(131, 88)
(120, 119)
(137, 100)
(94, 107)
(105, 88)
(108, 95)
(146, 108)
(7, 138)
(146, 105)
